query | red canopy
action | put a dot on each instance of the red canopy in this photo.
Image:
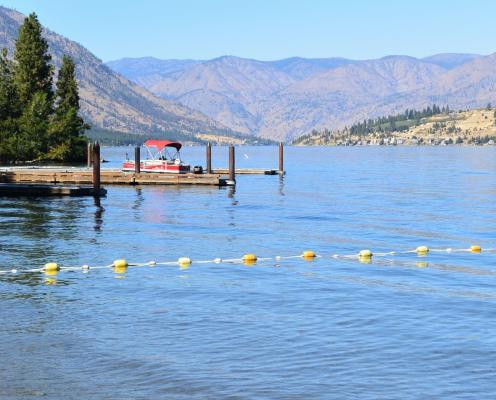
(160, 144)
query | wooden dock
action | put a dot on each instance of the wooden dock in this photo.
(82, 176)
(246, 171)
(51, 180)
(43, 190)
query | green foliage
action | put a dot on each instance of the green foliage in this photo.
(65, 138)
(67, 89)
(9, 108)
(32, 70)
(32, 139)
(395, 123)
(35, 123)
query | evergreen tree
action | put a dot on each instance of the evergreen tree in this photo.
(67, 88)
(9, 109)
(32, 141)
(32, 70)
(66, 140)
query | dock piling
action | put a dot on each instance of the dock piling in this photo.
(209, 158)
(96, 169)
(137, 160)
(281, 158)
(232, 167)
(90, 155)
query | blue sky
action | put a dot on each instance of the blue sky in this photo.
(270, 29)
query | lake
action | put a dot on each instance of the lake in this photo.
(400, 327)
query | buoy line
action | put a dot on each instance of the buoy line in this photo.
(365, 256)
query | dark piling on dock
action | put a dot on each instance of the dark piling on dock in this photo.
(137, 160)
(281, 158)
(209, 158)
(232, 166)
(96, 169)
(90, 155)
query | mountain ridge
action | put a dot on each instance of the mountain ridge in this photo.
(287, 98)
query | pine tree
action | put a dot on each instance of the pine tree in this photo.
(9, 109)
(32, 70)
(65, 138)
(32, 142)
(67, 88)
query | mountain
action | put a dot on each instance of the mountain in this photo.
(284, 99)
(148, 70)
(450, 60)
(110, 101)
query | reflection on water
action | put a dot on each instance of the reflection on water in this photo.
(330, 328)
(281, 185)
(98, 214)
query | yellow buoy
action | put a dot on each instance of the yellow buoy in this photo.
(183, 261)
(120, 263)
(51, 267)
(365, 254)
(422, 250)
(120, 266)
(308, 255)
(250, 257)
(475, 249)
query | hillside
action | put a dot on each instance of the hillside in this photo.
(461, 127)
(110, 101)
(288, 98)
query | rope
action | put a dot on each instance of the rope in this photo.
(364, 255)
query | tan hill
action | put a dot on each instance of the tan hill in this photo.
(461, 127)
(110, 101)
(288, 98)
(227, 89)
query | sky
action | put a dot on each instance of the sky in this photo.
(269, 29)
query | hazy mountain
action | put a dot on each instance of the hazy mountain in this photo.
(286, 98)
(450, 60)
(147, 69)
(108, 100)
(300, 68)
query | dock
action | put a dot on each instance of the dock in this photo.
(43, 190)
(84, 176)
(55, 181)
(246, 171)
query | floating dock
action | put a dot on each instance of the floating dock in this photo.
(246, 171)
(47, 181)
(82, 176)
(43, 190)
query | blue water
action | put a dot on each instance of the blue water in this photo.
(400, 327)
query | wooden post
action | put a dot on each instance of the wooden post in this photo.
(281, 158)
(96, 169)
(137, 160)
(232, 162)
(209, 158)
(90, 155)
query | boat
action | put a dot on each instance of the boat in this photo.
(163, 157)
